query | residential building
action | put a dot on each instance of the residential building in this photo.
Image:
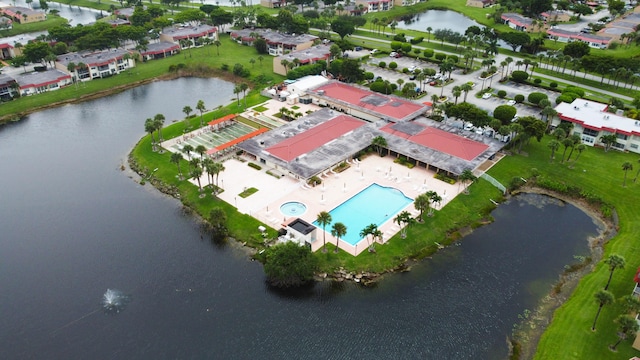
(277, 43)
(6, 23)
(23, 15)
(594, 41)
(273, 4)
(195, 34)
(480, 3)
(555, 16)
(591, 121)
(98, 64)
(7, 87)
(159, 50)
(304, 57)
(42, 81)
(375, 5)
(521, 23)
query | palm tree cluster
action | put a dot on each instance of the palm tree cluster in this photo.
(372, 234)
(152, 125)
(338, 229)
(424, 202)
(199, 165)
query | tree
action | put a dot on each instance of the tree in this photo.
(504, 113)
(456, 92)
(603, 297)
(201, 149)
(379, 142)
(218, 224)
(630, 304)
(159, 122)
(150, 127)
(187, 149)
(244, 87)
(580, 148)
(175, 158)
(289, 265)
(553, 145)
(576, 49)
(567, 143)
(338, 230)
(323, 219)
(370, 232)
(614, 261)
(196, 173)
(515, 39)
(627, 327)
(626, 166)
(343, 26)
(216, 169)
(36, 51)
(434, 198)
(608, 141)
(403, 219)
(466, 88)
(429, 30)
(201, 108)
(421, 203)
(466, 177)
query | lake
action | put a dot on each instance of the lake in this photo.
(74, 225)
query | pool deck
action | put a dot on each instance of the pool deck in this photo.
(264, 205)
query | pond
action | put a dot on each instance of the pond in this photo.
(437, 19)
(74, 225)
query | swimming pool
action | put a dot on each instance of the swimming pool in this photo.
(373, 205)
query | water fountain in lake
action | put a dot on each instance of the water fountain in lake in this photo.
(114, 301)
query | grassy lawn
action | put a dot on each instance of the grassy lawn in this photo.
(568, 75)
(569, 336)
(52, 20)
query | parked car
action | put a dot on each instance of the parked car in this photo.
(374, 51)
(393, 54)
(412, 68)
(358, 48)
(511, 102)
(486, 95)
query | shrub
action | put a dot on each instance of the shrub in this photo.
(536, 97)
(519, 76)
(396, 45)
(428, 53)
(564, 98)
(537, 81)
(255, 166)
(224, 67)
(574, 89)
(382, 64)
(519, 98)
(393, 65)
(445, 178)
(406, 48)
(440, 56)
(454, 58)
(416, 40)
(400, 37)
(553, 85)
(289, 265)
(502, 94)
(504, 113)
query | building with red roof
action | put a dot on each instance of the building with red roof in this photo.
(304, 57)
(99, 64)
(591, 121)
(159, 50)
(23, 15)
(521, 23)
(277, 43)
(594, 41)
(42, 81)
(364, 103)
(194, 34)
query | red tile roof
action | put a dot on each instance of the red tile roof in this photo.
(442, 141)
(392, 107)
(315, 137)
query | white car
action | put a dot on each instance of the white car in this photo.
(511, 102)
(468, 126)
(412, 68)
(393, 54)
(374, 51)
(486, 95)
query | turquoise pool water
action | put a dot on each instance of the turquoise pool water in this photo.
(374, 205)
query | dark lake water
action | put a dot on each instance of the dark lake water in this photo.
(73, 225)
(438, 19)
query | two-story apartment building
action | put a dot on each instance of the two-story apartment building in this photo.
(375, 5)
(195, 34)
(42, 81)
(305, 57)
(591, 121)
(594, 41)
(277, 43)
(23, 15)
(97, 65)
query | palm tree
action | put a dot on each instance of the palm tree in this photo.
(237, 90)
(218, 167)
(626, 166)
(567, 143)
(175, 158)
(338, 230)
(196, 173)
(150, 127)
(369, 231)
(260, 58)
(466, 88)
(159, 122)
(553, 145)
(434, 198)
(323, 219)
(244, 87)
(421, 203)
(575, 139)
(456, 92)
(201, 149)
(638, 173)
(187, 149)
(379, 142)
(627, 327)
(376, 234)
(429, 30)
(187, 110)
(403, 220)
(614, 261)
(466, 176)
(217, 44)
(207, 166)
(200, 107)
(603, 297)
(580, 148)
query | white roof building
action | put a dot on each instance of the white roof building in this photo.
(592, 120)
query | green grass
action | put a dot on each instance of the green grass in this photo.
(52, 20)
(569, 335)
(248, 192)
(568, 75)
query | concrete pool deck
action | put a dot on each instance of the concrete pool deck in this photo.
(264, 205)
